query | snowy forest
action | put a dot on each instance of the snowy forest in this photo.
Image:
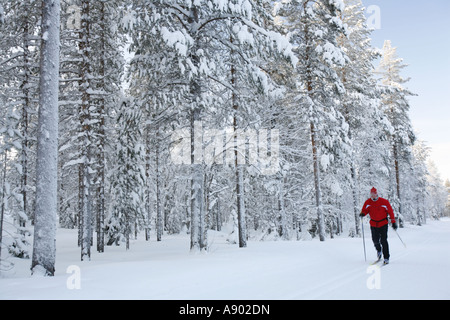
(128, 118)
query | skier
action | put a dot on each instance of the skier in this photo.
(379, 209)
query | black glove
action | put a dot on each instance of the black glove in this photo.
(394, 225)
(362, 215)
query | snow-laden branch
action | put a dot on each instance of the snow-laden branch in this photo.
(283, 44)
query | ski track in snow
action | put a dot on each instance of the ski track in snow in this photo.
(271, 270)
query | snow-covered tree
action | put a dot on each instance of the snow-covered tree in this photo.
(91, 75)
(315, 27)
(107, 41)
(86, 134)
(437, 192)
(19, 67)
(447, 206)
(417, 183)
(395, 105)
(9, 144)
(128, 176)
(157, 88)
(18, 89)
(194, 48)
(43, 261)
(2, 14)
(360, 104)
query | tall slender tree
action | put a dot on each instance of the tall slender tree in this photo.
(43, 261)
(395, 105)
(128, 175)
(85, 183)
(19, 70)
(315, 27)
(360, 103)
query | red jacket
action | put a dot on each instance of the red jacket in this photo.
(378, 211)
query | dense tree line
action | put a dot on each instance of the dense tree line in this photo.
(185, 116)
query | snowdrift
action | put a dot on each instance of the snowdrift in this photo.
(270, 270)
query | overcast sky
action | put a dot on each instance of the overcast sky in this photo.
(421, 32)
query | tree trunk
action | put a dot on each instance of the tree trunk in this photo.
(102, 137)
(2, 204)
(314, 142)
(159, 216)
(242, 227)
(148, 204)
(24, 130)
(43, 260)
(198, 240)
(320, 218)
(86, 209)
(356, 209)
(397, 180)
(198, 234)
(282, 208)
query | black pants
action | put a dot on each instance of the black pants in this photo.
(379, 238)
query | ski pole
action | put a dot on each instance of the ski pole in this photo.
(400, 238)
(364, 240)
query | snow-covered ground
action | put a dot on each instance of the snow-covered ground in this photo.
(269, 270)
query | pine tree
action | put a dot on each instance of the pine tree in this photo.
(9, 137)
(155, 85)
(437, 192)
(315, 27)
(43, 261)
(2, 14)
(447, 205)
(189, 30)
(128, 176)
(19, 69)
(85, 182)
(92, 68)
(28, 92)
(395, 105)
(107, 67)
(360, 103)
(418, 182)
(18, 92)
(70, 100)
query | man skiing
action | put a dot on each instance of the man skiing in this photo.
(379, 209)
